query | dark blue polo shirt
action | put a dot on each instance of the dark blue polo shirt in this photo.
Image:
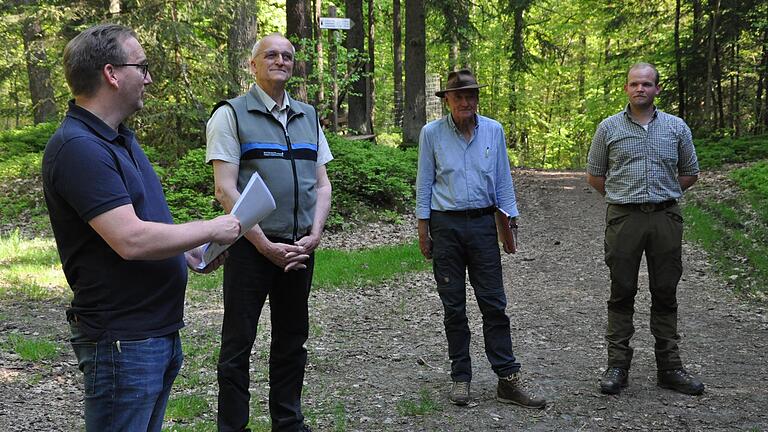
(89, 169)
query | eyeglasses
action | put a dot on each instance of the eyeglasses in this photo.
(272, 56)
(143, 67)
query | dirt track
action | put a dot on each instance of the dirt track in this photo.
(372, 348)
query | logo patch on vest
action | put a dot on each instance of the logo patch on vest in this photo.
(274, 154)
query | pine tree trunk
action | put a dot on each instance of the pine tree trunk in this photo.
(355, 41)
(241, 36)
(298, 28)
(397, 62)
(40, 86)
(415, 115)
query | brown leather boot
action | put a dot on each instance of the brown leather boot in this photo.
(511, 389)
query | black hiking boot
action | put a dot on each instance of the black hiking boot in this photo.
(613, 380)
(681, 381)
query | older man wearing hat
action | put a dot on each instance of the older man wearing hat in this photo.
(463, 176)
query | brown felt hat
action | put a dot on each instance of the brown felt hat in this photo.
(459, 80)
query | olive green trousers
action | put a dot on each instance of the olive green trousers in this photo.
(629, 233)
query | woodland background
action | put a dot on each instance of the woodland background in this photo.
(554, 68)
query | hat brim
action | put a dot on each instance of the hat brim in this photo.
(442, 93)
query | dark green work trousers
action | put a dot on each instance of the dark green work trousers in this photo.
(629, 233)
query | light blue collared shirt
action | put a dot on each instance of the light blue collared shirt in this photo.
(454, 174)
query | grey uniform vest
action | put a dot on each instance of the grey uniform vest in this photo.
(284, 157)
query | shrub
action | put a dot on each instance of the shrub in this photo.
(367, 176)
(30, 139)
(189, 188)
(715, 153)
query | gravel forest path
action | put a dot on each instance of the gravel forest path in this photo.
(374, 348)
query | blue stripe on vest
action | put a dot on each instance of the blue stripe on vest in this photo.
(301, 151)
(307, 146)
(244, 148)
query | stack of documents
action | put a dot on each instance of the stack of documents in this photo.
(255, 203)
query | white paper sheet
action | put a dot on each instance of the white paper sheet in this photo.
(255, 203)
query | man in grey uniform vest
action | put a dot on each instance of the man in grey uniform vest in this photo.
(268, 132)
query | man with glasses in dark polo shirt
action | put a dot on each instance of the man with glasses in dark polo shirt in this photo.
(642, 160)
(463, 175)
(122, 255)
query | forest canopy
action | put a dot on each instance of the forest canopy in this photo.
(554, 69)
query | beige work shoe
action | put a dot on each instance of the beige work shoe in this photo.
(511, 389)
(460, 393)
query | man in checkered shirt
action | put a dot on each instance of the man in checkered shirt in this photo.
(642, 160)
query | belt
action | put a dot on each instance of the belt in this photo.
(471, 213)
(649, 207)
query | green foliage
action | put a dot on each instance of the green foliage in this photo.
(736, 243)
(189, 188)
(203, 426)
(21, 197)
(754, 180)
(29, 268)
(336, 268)
(186, 407)
(426, 404)
(30, 139)
(366, 176)
(713, 153)
(339, 417)
(31, 348)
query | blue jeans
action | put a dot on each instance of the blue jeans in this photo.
(461, 244)
(127, 383)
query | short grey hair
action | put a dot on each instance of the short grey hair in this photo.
(88, 52)
(643, 65)
(255, 49)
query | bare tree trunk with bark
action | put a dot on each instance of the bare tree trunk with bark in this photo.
(298, 29)
(397, 75)
(40, 86)
(241, 36)
(415, 115)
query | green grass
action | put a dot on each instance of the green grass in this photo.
(426, 404)
(339, 417)
(203, 426)
(30, 268)
(336, 268)
(31, 348)
(734, 239)
(186, 407)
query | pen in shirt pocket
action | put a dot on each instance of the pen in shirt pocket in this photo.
(487, 149)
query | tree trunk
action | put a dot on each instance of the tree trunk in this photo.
(453, 53)
(370, 95)
(415, 115)
(40, 86)
(719, 83)
(397, 47)
(761, 117)
(241, 36)
(355, 41)
(709, 106)
(319, 65)
(736, 92)
(298, 29)
(518, 44)
(679, 65)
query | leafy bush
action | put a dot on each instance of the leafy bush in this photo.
(189, 188)
(715, 153)
(754, 180)
(21, 195)
(367, 176)
(30, 139)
